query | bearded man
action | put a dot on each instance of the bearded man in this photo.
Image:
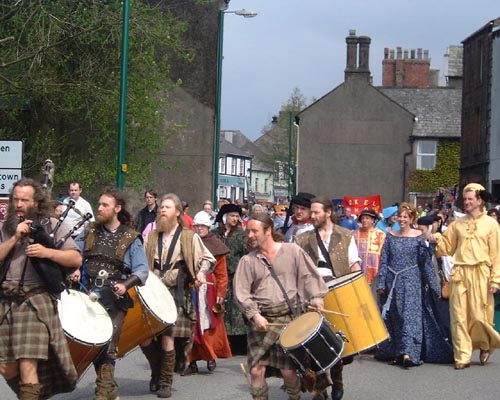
(34, 354)
(342, 258)
(113, 246)
(182, 261)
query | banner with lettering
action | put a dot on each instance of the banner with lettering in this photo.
(359, 204)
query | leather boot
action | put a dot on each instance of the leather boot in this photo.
(167, 364)
(293, 389)
(260, 393)
(337, 381)
(14, 384)
(29, 391)
(153, 355)
(106, 387)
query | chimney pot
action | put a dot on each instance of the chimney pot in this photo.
(386, 53)
(399, 53)
(391, 54)
(419, 53)
(412, 54)
(405, 54)
(426, 54)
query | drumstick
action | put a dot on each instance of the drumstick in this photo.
(244, 370)
(206, 283)
(328, 311)
(277, 324)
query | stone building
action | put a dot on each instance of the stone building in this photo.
(480, 159)
(360, 140)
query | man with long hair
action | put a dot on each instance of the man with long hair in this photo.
(473, 242)
(114, 249)
(34, 354)
(264, 305)
(179, 257)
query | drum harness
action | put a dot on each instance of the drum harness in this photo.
(325, 254)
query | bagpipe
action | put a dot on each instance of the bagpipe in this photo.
(52, 273)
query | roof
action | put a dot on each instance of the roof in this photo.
(438, 110)
(228, 148)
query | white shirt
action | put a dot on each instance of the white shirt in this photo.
(73, 217)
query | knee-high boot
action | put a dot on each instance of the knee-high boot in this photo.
(106, 387)
(153, 355)
(259, 393)
(167, 364)
(29, 391)
(293, 389)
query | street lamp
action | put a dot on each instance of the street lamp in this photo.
(220, 46)
(121, 166)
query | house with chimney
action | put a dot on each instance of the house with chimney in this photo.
(361, 140)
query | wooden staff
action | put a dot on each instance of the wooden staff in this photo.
(244, 370)
(327, 311)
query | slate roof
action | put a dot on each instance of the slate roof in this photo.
(438, 110)
(227, 147)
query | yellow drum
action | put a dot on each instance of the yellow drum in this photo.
(363, 326)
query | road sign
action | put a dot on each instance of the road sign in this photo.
(7, 179)
(11, 154)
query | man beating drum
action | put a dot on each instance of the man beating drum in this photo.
(113, 251)
(333, 250)
(264, 304)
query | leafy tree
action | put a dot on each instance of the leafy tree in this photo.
(60, 84)
(277, 137)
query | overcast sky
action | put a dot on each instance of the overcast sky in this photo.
(301, 43)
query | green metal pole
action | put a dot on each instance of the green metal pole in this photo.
(121, 167)
(290, 125)
(220, 47)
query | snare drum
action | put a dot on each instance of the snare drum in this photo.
(363, 326)
(311, 343)
(154, 310)
(87, 326)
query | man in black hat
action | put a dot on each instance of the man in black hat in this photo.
(231, 233)
(301, 219)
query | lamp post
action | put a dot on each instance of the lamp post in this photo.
(220, 47)
(121, 166)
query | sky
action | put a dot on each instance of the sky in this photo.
(301, 43)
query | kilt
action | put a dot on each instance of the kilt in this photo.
(186, 315)
(263, 348)
(32, 329)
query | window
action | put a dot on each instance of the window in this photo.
(222, 165)
(256, 184)
(265, 185)
(426, 154)
(242, 167)
(233, 166)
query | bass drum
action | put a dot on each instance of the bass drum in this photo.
(363, 326)
(311, 343)
(154, 311)
(87, 326)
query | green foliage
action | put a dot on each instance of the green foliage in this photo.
(60, 64)
(446, 173)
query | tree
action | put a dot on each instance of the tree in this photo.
(279, 140)
(60, 82)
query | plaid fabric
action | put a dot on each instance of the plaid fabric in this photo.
(31, 329)
(186, 315)
(263, 348)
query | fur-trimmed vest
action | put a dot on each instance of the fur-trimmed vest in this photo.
(186, 239)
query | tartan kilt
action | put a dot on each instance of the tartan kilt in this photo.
(32, 329)
(263, 347)
(186, 315)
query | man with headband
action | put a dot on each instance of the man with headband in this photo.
(473, 241)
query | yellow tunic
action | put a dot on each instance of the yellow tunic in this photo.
(474, 245)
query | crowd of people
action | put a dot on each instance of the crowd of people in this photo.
(238, 278)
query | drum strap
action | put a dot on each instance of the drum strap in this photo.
(326, 256)
(295, 310)
(170, 249)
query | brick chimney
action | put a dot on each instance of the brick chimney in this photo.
(358, 47)
(407, 69)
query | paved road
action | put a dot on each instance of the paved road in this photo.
(366, 379)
